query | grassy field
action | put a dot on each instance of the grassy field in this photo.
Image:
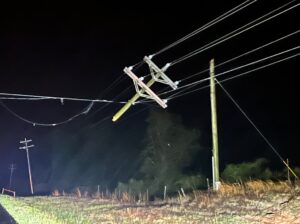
(252, 202)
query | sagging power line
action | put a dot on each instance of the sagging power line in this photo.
(26, 97)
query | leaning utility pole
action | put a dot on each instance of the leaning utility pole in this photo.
(215, 160)
(26, 147)
(12, 168)
(143, 89)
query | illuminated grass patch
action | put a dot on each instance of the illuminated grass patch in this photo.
(255, 202)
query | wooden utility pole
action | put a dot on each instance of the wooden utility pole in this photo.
(143, 89)
(215, 164)
(26, 147)
(12, 168)
(131, 102)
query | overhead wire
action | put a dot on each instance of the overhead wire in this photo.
(95, 124)
(256, 128)
(207, 25)
(107, 104)
(233, 34)
(85, 111)
(235, 76)
(109, 118)
(202, 28)
(223, 63)
(220, 18)
(192, 84)
(34, 123)
(14, 96)
(237, 32)
(39, 97)
(135, 67)
(243, 54)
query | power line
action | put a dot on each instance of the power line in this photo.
(202, 28)
(233, 34)
(26, 97)
(207, 25)
(135, 67)
(264, 66)
(34, 123)
(115, 83)
(260, 60)
(97, 123)
(107, 104)
(244, 54)
(17, 96)
(176, 95)
(226, 62)
(256, 128)
(230, 70)
(109, 117)
(236, 32)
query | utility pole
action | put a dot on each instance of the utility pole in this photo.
(288, 171)
(26, 147)
(215, 160)
(143, 89)
(12, 168)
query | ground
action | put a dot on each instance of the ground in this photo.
(234, 204)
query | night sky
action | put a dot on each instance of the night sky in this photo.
(79, 50)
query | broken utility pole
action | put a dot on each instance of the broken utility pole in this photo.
(26, 147)
(215, 162)
(143, 90)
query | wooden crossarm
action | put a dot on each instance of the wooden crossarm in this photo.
(145, 87)
(161, 76)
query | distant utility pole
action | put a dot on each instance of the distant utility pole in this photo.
(26, 147)
(215, 160)
(12, 168)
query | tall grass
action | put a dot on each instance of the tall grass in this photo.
(255, 187)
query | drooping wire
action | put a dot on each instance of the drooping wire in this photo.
(13, 96)
(83, 112)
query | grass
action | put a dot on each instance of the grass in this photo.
(249, 202)
(24, 212)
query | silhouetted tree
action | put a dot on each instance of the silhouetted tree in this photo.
(170, 150)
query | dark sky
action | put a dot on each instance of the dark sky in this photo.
(79, 50)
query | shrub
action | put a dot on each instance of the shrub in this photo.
(246, 171)
(190, 183)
